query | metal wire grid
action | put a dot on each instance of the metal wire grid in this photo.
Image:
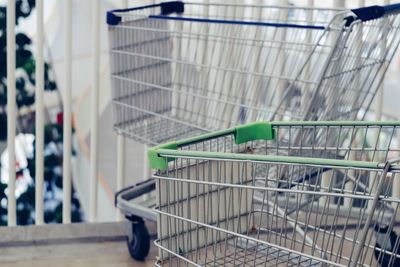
(361, 141)
(208, 76)
(203, 212)
(294, 215)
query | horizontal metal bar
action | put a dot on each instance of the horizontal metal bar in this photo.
(238, 22)
(337, 123)
(114, 16)
(270, 189)
(316, 162)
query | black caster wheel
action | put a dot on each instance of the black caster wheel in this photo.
(139, 241)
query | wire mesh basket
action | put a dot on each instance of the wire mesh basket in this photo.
(181, 69)
(253, 196)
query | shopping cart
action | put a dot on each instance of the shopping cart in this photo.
(182, 69)
(349, 140)
(255, 196)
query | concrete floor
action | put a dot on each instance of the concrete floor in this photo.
(99, 245)
(104, 254)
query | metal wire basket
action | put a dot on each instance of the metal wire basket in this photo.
(280, 194)
(181, 69)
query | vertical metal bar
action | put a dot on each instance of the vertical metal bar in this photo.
(39, 118)
(258, 13)
(121, 154)
(378, 116)
(67, 116)
(349, 185)
(205, 76)
(379, 101)
(146, 169)
(11, 112)
(396, 180)
(281, 57)
(380, 92)
(307, 70)
(327, 176)
(325, 184)
(372, 204)
(120, 168)
(176, 67)
(94, 111)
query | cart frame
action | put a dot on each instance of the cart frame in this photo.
(160, 93)
(129, 201)
(172, 162)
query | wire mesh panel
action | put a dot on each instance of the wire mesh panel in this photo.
(183, 69)
(230, 198)
(355, 140)
(206, 220)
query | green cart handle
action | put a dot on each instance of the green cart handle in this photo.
(242, 134)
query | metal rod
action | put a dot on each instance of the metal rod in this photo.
(378, 116)
(307, 69)
(280, 63)
(11, 112)
(367, 224)
(349, 185)
(94, 112)
(379, 94)
(379, 101)
(39, 117)
(325, 181)
(67, 116)
(146, 169)
(396, 180)
(120, 168)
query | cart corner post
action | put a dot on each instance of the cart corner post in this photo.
(155, 160)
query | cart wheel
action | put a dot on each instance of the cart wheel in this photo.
(139, 242)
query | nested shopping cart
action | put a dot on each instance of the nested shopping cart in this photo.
(344, 140)
(280, 194)
(182, 69)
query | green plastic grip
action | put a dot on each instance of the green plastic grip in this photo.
(254, 131)
(242, 134)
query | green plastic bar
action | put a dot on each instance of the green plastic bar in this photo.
(270, 159)
(243, 133)
(251, 132)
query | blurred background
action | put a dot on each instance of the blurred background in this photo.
(81, 85)
(82, 57)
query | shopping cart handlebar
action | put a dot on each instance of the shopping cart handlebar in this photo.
(250, 132)
(243, 133)
(166, 9)
(372, 12)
